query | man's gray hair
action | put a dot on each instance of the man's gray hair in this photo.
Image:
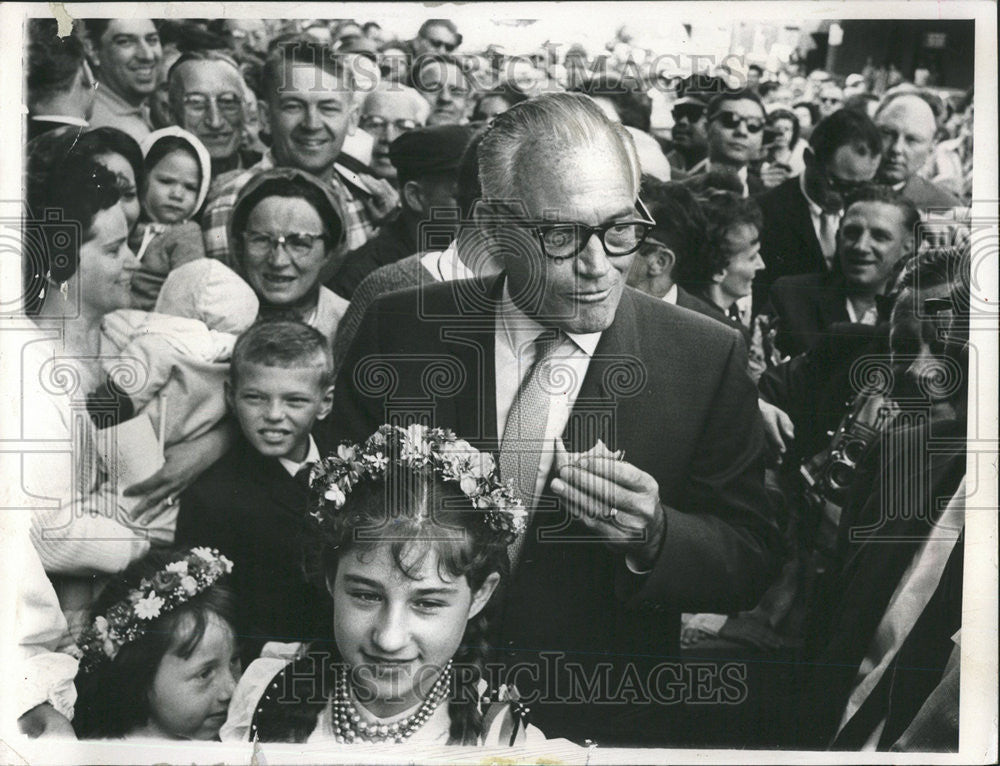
(559, 121)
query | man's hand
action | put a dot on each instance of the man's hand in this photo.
(778, 428)
(383, 201)
(620, 502)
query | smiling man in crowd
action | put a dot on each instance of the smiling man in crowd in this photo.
(206, 98)
(310, 104)
(876, 233)
(124, 53)
(615, 548)
(802, 214)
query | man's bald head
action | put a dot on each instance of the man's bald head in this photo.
(907, 125)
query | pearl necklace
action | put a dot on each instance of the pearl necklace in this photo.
(348, 727)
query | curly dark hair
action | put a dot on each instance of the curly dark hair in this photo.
(722, 210)
(113, 699)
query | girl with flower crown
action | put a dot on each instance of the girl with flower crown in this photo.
(159, 656)
(411, 539)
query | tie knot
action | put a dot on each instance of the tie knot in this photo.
(304, 474)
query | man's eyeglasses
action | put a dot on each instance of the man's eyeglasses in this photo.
(297, 244)
(689, 112)
(567, 240)
(229, 104)
(730, 120)
(373, 123)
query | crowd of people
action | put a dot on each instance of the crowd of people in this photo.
(427, 395)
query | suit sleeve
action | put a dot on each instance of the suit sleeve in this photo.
(719, 552)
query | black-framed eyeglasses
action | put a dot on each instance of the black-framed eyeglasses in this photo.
(378, 124)
(229, 104)
(690, 112)
(730, 121)
(296, 243)
(567, 240)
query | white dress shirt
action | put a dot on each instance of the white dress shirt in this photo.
(445, 265)
(870, 317)
(514, 355)
(312, 456)
(670, 296)
(827, 245)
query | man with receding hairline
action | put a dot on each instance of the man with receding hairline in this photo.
(906, 122)
(629, 426)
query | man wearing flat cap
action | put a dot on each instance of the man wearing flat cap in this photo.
(426, 162)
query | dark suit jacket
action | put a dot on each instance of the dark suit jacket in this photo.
(253, 511)
(854, 600)
(806, 305)
(925, 194)
(668, 387)
(788, 242)
(391, 243)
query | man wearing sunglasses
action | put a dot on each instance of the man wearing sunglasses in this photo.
(802, 215)
(690, 144)
(436, 36)
(735, 138)
(555, 358)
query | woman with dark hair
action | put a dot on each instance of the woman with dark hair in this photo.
(411, 536)
(119, 153)
(724, 272)
(78, 268)
(159, 656)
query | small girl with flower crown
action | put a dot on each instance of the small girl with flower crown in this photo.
(411, 539)
(159, 658)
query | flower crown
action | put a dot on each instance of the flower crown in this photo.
(172, 586)
(424, 450)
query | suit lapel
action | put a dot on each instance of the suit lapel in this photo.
(596, 414)
(812, 253)
(472, 344)
(832, 304)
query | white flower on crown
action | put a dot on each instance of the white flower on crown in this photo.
(180, 567)
(189, 584)
(205, 554)
(415, 445)
(148, 608)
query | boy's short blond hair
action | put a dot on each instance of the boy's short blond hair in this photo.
(288, 343)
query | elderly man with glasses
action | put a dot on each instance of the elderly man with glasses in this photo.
(628, 426)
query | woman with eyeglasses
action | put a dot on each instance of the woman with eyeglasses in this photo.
(286, 229)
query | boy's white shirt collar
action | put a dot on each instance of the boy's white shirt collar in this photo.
(312, 456)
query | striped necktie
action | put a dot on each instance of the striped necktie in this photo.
(524, 431)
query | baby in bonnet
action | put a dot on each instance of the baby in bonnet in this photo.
(173, 361)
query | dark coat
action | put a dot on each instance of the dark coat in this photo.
(254, 512)
(668, 387)
(391, 243)
(788, 242)
(868, 571)
(926, 195)
(806, 305)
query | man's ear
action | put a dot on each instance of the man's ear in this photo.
(413, 196)
(264, 114)
(92, 51)
(482, 596)
(327, 405)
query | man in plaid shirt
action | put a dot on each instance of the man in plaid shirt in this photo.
(311, 104)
